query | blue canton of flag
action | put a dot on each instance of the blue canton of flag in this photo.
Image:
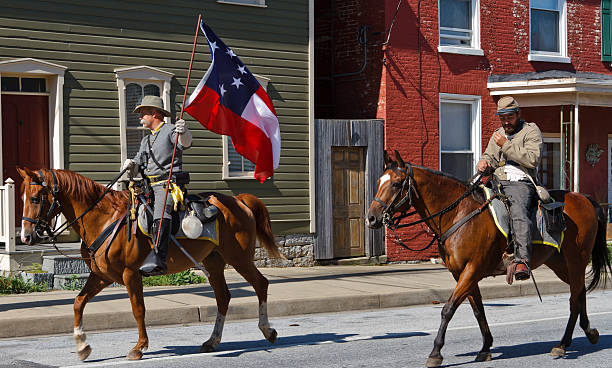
(229, 77)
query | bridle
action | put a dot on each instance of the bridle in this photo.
(43, 222)
(393, 222)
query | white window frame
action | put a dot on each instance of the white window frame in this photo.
(255, 3)
(552, 57)
(244, 175)
(475, 102)
(474, 48)
(141, 75)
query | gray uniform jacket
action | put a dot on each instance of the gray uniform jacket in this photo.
(162, 144)
(523, 150)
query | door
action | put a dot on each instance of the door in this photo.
(348, 183)
(25, 138)
(610, 188)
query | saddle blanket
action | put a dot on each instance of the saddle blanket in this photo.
(538, 228)
(210, 230)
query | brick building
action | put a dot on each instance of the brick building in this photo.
(437, 79)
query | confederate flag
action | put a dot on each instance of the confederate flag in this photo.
(230, 101)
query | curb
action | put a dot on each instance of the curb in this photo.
(63, 323)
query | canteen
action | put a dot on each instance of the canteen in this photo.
(192, 226)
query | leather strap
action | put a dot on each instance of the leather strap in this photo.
(159, 166)
(110, 229)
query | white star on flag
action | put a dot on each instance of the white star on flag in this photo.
(237, 82)
(222, 90)
(213, 46)
(230, 52)
(241, 69)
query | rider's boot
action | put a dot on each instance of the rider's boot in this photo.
(155, 263)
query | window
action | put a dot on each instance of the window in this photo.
(547, 31)
(23, 84)
(459, 134)
(234, 165)
(134, 83)
(549, 172)
(258, 3)
(606, 31)
(459, 26)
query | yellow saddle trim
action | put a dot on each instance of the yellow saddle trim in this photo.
(499, 227)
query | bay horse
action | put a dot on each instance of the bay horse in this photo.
(476, 249)
(242, 219)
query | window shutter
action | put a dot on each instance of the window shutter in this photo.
(606, 31)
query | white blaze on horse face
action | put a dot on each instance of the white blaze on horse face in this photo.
(383, 179)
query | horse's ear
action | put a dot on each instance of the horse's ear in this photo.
(399, 160)
(388, 159)
(25, 172)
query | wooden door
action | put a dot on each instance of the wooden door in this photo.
(25, 139)
(348, 183)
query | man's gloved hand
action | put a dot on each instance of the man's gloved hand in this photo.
(128, 164)
(179, 126)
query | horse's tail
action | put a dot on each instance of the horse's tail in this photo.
(600, 258)
(262, 223)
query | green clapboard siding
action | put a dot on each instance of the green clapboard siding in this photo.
(94, 40)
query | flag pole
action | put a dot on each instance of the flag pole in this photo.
(195, 41)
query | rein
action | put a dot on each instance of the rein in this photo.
(44, 222)
(393, 222)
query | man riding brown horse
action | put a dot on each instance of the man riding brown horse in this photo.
(155, 158)
(514, 152)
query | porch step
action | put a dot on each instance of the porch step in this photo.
(70, 282)
(60, 265)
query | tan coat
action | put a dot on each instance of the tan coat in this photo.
(525, 149)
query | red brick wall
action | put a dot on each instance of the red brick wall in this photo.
(415, 75)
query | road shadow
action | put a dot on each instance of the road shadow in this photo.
(580, 346)
(237, 348)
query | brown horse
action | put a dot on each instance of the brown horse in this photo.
(476, 249)
(242, 219)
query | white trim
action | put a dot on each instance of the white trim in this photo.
(311, 126)
(475, 102)
(140, 74)
(54, 74)
(460, 50)
(535, 55)
(576, 145)
(549, 58)
(262, 3)
(225, 175)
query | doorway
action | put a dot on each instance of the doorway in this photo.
(25, 138)
(348, 183)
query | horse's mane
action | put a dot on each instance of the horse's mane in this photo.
(84, 189)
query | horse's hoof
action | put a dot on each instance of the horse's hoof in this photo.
(593, 336)
(83, 354)
(558, 351)
(206, 348)
(433, 362)
(273, 335)
(134, 355)
(483, 356)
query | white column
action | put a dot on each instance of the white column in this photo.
(9, 216)
(576, 145)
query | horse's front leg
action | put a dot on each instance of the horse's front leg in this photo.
(465, 286)
(93, 286)
(133, 283)
(487, 339)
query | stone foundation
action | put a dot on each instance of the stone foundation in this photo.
(297, 248)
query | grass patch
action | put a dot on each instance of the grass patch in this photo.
(182, 278)
(15, 284)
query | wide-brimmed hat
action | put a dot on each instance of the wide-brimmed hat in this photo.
(507, 105)
(154, 102)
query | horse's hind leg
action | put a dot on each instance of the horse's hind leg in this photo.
(93, 286)
(487, 339)
(215, 266)
(591, 333)
(133, 282)
(248, 270)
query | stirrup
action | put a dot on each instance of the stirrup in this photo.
(153, 265)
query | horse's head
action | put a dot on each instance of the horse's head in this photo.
(40, 205)
(393, 194)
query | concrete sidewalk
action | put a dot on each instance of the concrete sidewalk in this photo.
(292, 291)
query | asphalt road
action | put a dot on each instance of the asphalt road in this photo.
(524, 331)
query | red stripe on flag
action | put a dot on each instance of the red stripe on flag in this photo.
(264, 96)
(249, 141)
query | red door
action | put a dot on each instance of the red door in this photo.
(25, 139)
